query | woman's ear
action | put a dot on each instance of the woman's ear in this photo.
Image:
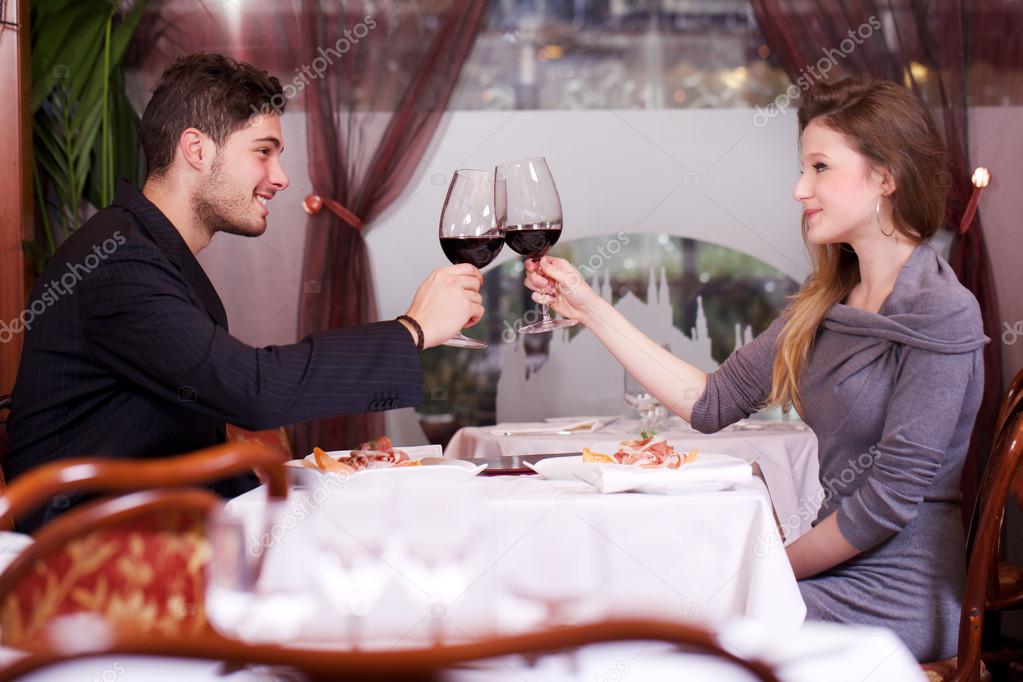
(887, 182)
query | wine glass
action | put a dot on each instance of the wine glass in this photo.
(566, 569)
(651, 412)
(440, 532)
(256, 590)
(529, 214)
(354, 534)
(469, 232)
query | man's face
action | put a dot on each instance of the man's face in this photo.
(245, 175)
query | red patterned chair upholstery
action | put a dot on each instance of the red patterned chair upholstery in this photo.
(136, 561)
(142, 569)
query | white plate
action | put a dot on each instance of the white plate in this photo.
(436, 470)
(711, 471)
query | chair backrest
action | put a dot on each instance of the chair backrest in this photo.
(105, 475)
(402, 664)
(982, 572)
(5, 408)
(276, 439)
(137, 561)
(1011, 405)
(1011, 402)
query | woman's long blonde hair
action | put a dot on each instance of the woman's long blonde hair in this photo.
(890, 127)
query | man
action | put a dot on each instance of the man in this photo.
(127, 352)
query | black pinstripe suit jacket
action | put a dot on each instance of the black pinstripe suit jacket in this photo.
(127, 354)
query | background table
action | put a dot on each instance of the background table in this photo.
(785, 451)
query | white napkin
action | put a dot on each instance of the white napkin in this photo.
(551, 427)
(716, 474)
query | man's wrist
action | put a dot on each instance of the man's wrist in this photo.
(414, 329)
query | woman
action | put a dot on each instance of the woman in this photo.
(880, 352)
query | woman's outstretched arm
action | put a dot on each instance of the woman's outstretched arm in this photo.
(673, 381)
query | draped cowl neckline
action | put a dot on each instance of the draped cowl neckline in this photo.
(926, 309)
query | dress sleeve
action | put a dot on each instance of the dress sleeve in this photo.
(739, 387)
(923, 413)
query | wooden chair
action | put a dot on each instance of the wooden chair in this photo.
(102, 475)
(136, 560)
(1010, 404)
(275, 439)
(120, 559)
(984, 589)
(5, 408)
(418, 664)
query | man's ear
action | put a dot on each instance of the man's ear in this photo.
(196, 148)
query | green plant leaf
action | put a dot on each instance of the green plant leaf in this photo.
(36, 255)
(66, 41)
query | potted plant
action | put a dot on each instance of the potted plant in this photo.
(83, 125)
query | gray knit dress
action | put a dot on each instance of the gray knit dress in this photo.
(892, 397)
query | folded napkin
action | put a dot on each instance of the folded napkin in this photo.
(711, 474)
(553, 427)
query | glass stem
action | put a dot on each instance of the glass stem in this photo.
(543, 306)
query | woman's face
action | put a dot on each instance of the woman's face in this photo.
(838, 189)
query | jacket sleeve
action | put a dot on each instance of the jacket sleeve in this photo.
(739, 387)
(142, 320)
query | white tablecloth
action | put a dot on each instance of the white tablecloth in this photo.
(705, 556)
(785, 451)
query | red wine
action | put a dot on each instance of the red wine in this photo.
(533, 240)
(476, 250)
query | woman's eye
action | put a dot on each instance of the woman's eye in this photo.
(819, 167)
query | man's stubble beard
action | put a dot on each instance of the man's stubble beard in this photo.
(219, 206)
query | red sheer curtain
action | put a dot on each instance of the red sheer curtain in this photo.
(370, 119)
(374, 79)
(928, 46)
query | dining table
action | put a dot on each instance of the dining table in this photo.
(783, 450)
(702, 555)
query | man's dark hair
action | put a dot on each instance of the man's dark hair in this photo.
(210, 92)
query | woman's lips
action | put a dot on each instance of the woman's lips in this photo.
(811, 212)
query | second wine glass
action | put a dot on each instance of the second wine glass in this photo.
(469, 232)
(529, 214)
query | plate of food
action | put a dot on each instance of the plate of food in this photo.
(378, 460)
(648, 465)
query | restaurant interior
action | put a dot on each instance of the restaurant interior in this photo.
(601, 469)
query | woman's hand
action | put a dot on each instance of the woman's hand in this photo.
(555, 282)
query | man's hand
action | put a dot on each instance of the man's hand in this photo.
(446, 302)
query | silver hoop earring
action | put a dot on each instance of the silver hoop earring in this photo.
(877, 216)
